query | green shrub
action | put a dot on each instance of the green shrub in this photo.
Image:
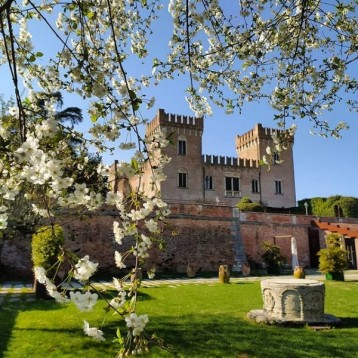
(320, 207)
(272, 257)
(333, 258)
(349, 207)
(333, 206)
(47, 247)
(245, 204)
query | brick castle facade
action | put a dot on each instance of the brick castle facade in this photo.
(194, 177)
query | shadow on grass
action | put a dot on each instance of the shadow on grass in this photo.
(73, 342)
(348, 322)
(7, 322)
(243, 283)
(217, 336)
(41, 305)
(10, 310)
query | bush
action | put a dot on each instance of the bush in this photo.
(333, 258)
(272, 257)
(47, 247)
(333, 206)
(245, 204)
(349, 207)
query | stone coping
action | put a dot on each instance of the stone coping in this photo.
(284, 281)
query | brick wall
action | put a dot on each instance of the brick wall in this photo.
(193, 234)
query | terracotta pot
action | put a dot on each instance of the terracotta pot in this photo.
(246, 269)
(191, 270)
(299, 272)
(224, 274)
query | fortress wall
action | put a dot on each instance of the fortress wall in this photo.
(196, 234)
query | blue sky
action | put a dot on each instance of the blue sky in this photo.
(323, 167)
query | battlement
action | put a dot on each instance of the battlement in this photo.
(163, 118)
(230, 161)
(259, 132)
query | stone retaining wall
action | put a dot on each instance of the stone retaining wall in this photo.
(194, 234)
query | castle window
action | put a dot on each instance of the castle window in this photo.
(232, 186)
(276, 158)
(255, 186)
(181, 145)
(209, 182)
(278, 187)
(182, 178)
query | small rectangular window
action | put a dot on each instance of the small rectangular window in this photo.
(278, 187)
(228, 183)
(255, 186)
(235, 184)
(209, 182)
(182, 180)
(182, 147)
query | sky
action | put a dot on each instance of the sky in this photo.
(323, 166)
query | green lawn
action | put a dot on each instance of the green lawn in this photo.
(196, 320)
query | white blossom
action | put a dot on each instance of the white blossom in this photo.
(40, 274)
(119, 232)
(84, 301)
(95, 333)
(137, 323)
(119, 260)
(84, 269)
(59, 297)
(152, 225)
(120, 300)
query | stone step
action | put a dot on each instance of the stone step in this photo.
(239, 250)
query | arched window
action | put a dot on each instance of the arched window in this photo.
(255, 186)
(182, 147)
(182, 178)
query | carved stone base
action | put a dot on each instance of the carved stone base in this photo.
(293, 301)
(261, 316)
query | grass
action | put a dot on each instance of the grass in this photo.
(196, 320)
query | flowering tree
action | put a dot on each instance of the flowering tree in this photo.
(296, 54)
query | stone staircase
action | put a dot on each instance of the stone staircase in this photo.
(239, 251)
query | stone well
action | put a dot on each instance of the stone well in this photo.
(290, 300)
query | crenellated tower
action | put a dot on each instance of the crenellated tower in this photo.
(184, 177)
(194, 177)
(277, 183)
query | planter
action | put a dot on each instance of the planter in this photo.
(224, 274)
(191, 270)
(246, 269)
(335, 276)
(299, 272)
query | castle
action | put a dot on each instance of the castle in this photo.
(196, 178)
(204, 228)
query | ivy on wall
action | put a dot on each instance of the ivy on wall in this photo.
(336, 206)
